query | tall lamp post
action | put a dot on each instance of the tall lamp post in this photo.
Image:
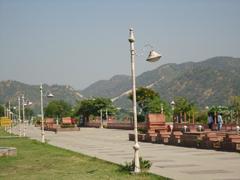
(42, 116)
(50, 95)
(23, 111)
(173, 106)
(101, 119)
(153, 56)
(19, 116)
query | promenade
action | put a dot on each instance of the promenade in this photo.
(175, 162)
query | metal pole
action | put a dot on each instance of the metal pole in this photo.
(136, 146)
(23, 111)
(101, 119)
(106, 115)
(42, 115)
(6, 112)
(9, 108)
(10, 117)
(19, 116)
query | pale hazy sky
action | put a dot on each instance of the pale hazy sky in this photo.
(79, 42)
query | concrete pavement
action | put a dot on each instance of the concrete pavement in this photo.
(175, 162)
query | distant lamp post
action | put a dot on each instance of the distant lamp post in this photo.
(101, 119)
(106, 115)
(161, 108)
(173, 107)
(23, 112)
(19, 116)
(152, 57)
(50, 95)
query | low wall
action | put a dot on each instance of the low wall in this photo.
(124, 125)
(93, 124)
(116, 125)
(190, 126)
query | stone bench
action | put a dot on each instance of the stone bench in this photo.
(49, 124)
(231, 142)
(151, 137)
(192, 139)
(212, 141)
(175, 138)
(8, 151)
(163, 137)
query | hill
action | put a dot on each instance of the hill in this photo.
(11, 90)
(206, 83)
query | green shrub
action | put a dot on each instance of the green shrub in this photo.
(140, 118)
(142, 130)
(67, 125)
(144, 165)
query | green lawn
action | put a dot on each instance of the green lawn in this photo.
(35, 160)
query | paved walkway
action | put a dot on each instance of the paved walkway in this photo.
(175, 162)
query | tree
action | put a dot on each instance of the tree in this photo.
(143, 96)
(1, 111)
(235, 103)
(149, 101)
(183, 105)
(57, 108)
(235, 107)
(93, 106)
(28, 113)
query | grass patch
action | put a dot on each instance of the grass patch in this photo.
(35, 160)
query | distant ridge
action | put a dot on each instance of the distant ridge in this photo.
(209, 82)
(10, 90)
(206, 83)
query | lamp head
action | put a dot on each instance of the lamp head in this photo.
(153, 56)
(50, 95)
(131, 38)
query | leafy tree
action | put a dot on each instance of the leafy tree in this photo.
(183, 105)
(224, 110)
(143, 96)
(235, 107)
(93, 106)
(28, 113)
(1, 110)
(149, 101)
(235, 103)
(57, 108)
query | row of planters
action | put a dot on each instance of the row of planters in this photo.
(65, 124)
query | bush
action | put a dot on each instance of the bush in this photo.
(144, 165)
(140, 118)
(142, 130)
(67, 125)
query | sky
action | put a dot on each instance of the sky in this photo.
(72, 42)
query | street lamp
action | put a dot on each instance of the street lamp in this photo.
(152, 57)
(101, 119)
(19, 116)
(173, 106)
(23, 111)
(50, 95)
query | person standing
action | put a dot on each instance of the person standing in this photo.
(220, 121)
(210, 120)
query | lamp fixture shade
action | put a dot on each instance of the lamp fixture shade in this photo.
(153, 56)
(172, 103)
(50, 95)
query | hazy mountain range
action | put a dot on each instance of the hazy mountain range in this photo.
(11, 90)
(209, 82)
